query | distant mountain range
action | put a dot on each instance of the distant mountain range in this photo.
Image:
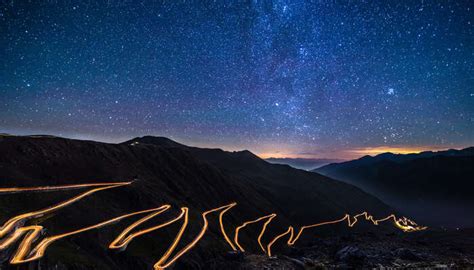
(303, 163)
(436, 187)
(166, 172)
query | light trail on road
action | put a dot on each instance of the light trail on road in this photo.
(237, 230)
(13, 229)
(404, 224)
(62, 187)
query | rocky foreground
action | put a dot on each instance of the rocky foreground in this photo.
(428, 250)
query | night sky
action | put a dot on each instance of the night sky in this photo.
(334, 79)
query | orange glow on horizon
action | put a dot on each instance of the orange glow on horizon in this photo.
(349, 154)
(276, 155)
(372, 151)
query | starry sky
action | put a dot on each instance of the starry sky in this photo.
(320, 79)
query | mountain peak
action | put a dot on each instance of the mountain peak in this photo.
(155, 140)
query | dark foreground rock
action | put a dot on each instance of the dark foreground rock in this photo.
(426, 250)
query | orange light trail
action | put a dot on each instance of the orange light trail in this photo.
(122, 240)
(236, 234)
(404, 224)
(63, 187)
(15, 221)
(13, 229)
(162, 264)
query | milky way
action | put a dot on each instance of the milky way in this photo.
(281, 78)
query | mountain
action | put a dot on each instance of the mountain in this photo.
(433, 186)
(303, 163)
(278, 183)
(163, 172)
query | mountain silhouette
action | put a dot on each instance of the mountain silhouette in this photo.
(433, 186)
(303, 163)
(165, 172)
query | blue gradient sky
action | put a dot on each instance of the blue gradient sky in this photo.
(335, 79)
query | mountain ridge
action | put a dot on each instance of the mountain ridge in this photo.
(303, 163)
(468, 151)
(178, 175)
(431, 185)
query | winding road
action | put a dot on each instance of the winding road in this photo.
(14, 229)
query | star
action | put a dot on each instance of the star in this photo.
(303, 77)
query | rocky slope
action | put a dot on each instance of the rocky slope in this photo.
(165, 172)
(366, 251)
